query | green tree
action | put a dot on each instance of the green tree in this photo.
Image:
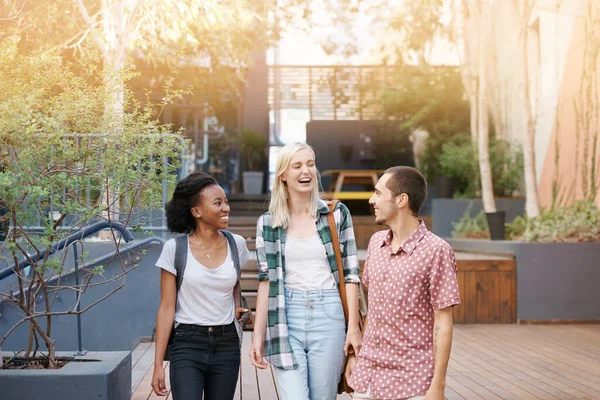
(54, 150)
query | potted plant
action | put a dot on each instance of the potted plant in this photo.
(55, 158)
(458, 159)
(253, 146)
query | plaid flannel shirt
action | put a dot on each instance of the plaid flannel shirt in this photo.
(270, 244)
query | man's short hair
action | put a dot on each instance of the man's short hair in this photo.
(411, 181)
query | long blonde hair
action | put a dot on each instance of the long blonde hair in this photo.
(278, 206)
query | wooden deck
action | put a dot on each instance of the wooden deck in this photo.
(487, 362)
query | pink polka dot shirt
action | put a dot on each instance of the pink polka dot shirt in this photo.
(405, 288)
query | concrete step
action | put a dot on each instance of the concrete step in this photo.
(251, 266)
(248, 207)
(247, 232)
(236, 220)
(240, 197)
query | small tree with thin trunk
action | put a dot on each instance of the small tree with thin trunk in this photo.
(474, 20)
(58, 162)
(482, 14)
(523, 10)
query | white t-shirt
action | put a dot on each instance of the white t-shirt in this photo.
(306, 264)
(206, 295)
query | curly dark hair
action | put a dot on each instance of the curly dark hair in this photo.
(186, 195)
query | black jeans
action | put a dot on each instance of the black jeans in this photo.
(205, 360)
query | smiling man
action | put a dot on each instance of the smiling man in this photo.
(411, 276)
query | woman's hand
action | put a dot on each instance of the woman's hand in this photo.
(239, 315)
(353, 341)
(350, 365)
(158, 381)
(435, 393)
(256, 353)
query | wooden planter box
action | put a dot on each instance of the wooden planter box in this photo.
(488, 292)
(555, 282)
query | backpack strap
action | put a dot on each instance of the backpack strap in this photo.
(234, 252)
(181, 250)
(237, 291)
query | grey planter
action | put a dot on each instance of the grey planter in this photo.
(444, 187)
(116, 323)
(253, 182)
(556, 282)
(109, 378)
(446, 211)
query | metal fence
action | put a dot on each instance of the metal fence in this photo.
(329, 92)
(152, 221)
(344, 92)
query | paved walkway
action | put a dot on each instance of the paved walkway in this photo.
(487, 362)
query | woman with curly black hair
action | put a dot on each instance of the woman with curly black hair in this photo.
(198, 316)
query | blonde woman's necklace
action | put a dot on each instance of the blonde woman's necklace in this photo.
(212, 248)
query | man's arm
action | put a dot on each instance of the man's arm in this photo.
(442, 343)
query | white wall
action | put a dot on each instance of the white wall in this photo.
(555, 34)
(549, 42)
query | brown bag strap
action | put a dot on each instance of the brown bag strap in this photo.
(338, 256)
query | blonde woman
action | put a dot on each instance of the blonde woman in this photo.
(299, 326)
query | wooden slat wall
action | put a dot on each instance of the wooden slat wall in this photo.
(488, 292)
(487, 288)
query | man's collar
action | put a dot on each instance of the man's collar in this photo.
(409, 246)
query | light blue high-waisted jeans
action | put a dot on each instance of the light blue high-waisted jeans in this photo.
(317, 333)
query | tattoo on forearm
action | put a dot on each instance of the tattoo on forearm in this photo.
(436, 331)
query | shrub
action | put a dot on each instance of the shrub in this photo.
(458, 159)
(392, 146)
(252, 146)
(468, 227)
(439, 135)
(507, 168)
(515, 230)
(577, 223)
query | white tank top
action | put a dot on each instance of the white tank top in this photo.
(306, 265)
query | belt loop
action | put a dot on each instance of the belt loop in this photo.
(321, 295)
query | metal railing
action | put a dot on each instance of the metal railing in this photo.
(157, 221)
(62, 245)
(66, 242)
